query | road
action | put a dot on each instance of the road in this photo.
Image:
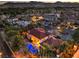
(76, 55)
(4, 47)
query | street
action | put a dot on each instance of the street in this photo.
(4, 48)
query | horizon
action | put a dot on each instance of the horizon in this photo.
(2, 2)
(49, 1)
(45, 1)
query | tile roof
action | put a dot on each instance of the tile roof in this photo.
(38, 34)
(54, 42)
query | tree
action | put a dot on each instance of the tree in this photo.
(47, 52)
(15, 46)
(62, 47)
(67, 49)
(75, 36)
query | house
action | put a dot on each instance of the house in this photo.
(37, 18)
(23, 23)
(53, 42)
(50, 17)
(67, 34)
(37, 36)
(18, 22)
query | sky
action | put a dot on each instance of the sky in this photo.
(55, 0)
(42, 0)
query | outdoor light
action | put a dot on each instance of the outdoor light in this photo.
(58, 27)
(1, 54)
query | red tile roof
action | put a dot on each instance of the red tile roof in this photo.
(38, 33)
(54, 42)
